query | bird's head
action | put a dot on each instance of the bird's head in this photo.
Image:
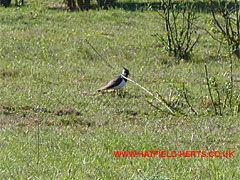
(125, 72)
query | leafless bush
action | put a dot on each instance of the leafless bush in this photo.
(179, 27)
(229, 23)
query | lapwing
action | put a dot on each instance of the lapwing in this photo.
(116, 83)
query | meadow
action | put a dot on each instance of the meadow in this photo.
(55, 125)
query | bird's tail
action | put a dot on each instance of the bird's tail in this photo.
(102, 89)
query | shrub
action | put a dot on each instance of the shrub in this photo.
(179, 21)
(229, 25)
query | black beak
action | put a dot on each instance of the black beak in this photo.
(125, 68)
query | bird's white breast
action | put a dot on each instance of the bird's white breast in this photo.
(120, 85)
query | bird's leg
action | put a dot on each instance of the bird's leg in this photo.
(120, 93)
(123, 93)
(113, 92)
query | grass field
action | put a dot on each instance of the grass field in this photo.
(55, 125)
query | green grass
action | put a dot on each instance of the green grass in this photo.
(49, 75)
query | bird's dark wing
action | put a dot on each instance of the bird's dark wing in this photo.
(112, 83)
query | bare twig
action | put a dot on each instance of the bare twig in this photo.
(164, 101)
(186, 99)
(209, 88)
(169, 109)
(153, 105)
(219, 99)
(212, 36)
(38, 116)
(169, 105)
(214, 17)
(167, 25)
(190, 49)
(238, 105)
(156, 107)
(231, 81)
(102, 58)
(225, 101)
(237, 18)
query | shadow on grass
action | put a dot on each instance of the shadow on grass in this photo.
(200, 7)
